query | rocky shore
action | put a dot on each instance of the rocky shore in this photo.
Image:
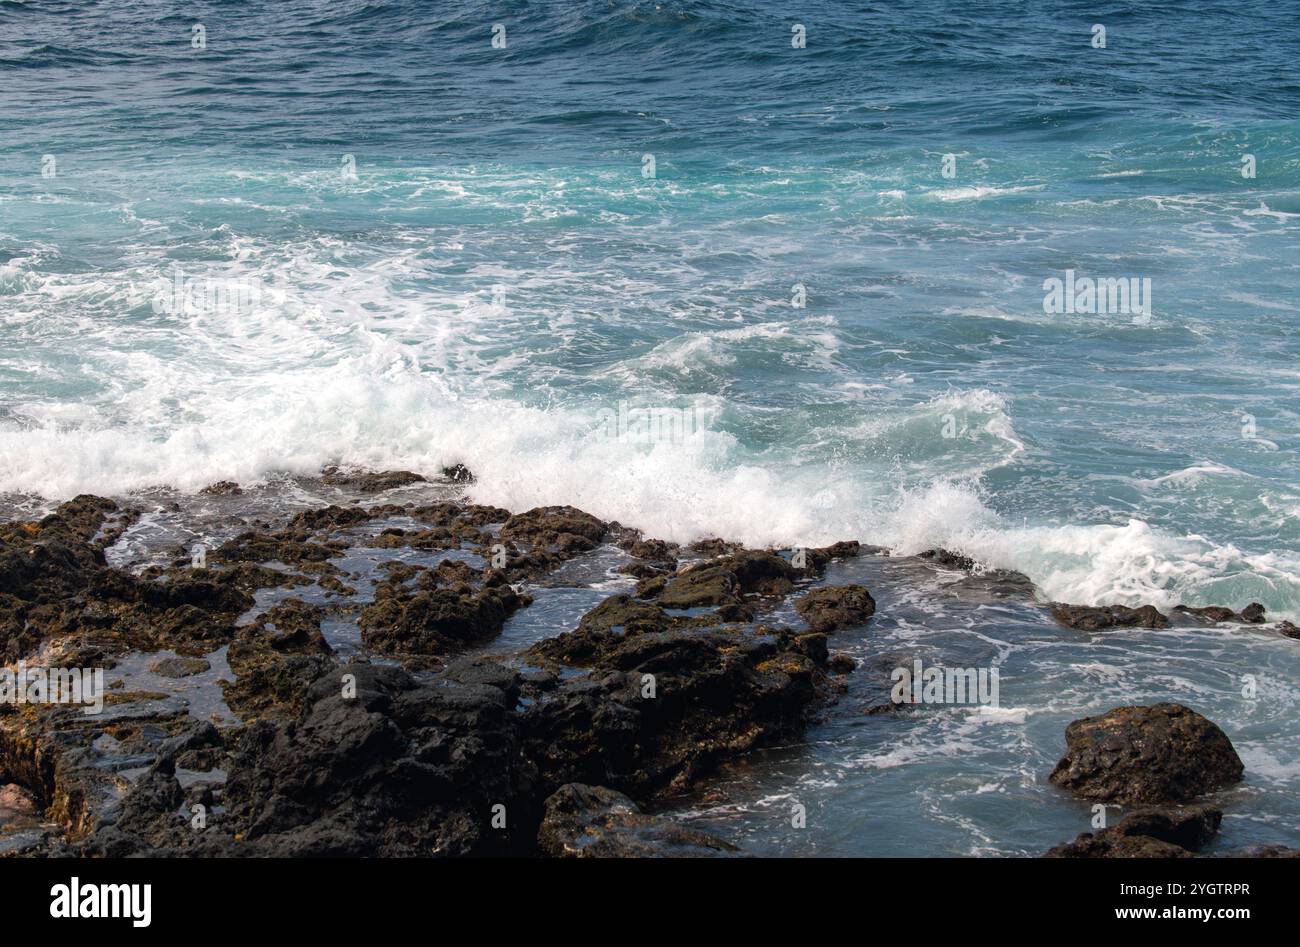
(273, 697)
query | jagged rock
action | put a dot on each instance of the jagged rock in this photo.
(1091, 618)
(831, 607)
(842, 664)
(275, 661)
(458, 473)
(1157, 832)
(222, 488)
(435, 620)
(724, 581)
(948, 559)
(594, 822)
(365, 481)
(1252, 614)
(1158, 754)
(179, 666)
(659, 709)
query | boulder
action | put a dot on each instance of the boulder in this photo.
(1149, 755)
(831, 607)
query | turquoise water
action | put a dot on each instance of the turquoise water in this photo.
(435, 251)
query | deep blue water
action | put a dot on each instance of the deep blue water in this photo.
(438, 251)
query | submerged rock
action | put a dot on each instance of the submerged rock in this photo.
(179, 666)
(594, 822)
(1158, 754)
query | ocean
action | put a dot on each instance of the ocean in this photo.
(724, 269)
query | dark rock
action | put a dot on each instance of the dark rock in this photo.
(948, 559)
(1252, 614)
(1288, 629)
(365, 481)
(276, 660)
(842, 664)
(542, 527)
(435, 620)
(1090, 618)
(654, 550)
(1160, 832)
(716, 693)
(836, 606)
(458, 473)
(179, 667)
(398, 769)
(222, 488)
(1158, 754)
(594, 822)
(723, 581)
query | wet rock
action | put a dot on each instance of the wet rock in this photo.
(544, 526)
(222, 488)
(1288, 629)
(458, 473)
(832, 607)
(640, 569)
(1091, 618)
(1252, 614)
(1155, 832)
(1151, 755)
(713, 547)
(438, 620)
(654, 550)
(179, 666)
(611, 622)
(842, 664)
(594, 822)
(948, 559)
(327, 518)
(848, 549)
(274, 547)
(660, 709)
(724, 581)
(369, 481)
(276, 660)
(398, 769)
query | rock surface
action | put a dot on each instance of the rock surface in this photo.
(1154, 832)
(1158, 754)
(1090, 618)
(831, 607)
(593, 822)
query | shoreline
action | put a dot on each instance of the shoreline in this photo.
(235, 677)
